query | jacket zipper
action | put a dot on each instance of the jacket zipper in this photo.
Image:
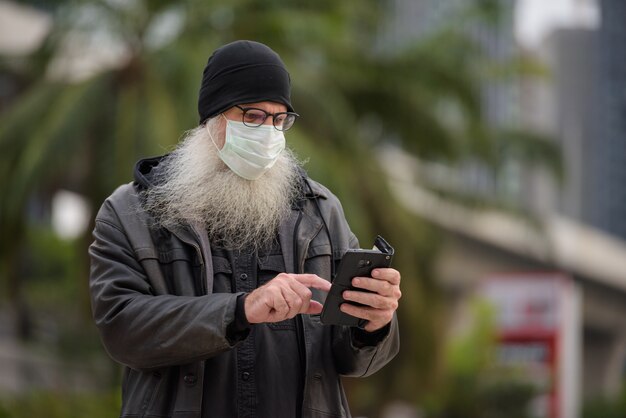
(299, 320)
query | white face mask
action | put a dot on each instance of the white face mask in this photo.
(250, 152)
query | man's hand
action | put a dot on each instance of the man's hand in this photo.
(381, 304)
(283, 297)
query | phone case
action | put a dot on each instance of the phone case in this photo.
(354, 263)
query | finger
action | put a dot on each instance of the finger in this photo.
(372, 326)
(390, 275)
(361, 312)
(304, 293)
(371, 299)
(314, 308)
(278, 305)
(376, 318)
(382, 287)
(313, 280)
(293, 300)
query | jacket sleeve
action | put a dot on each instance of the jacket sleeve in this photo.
(356, 352)
(357, 355)
(139, 328)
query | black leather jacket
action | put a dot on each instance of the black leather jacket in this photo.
(152, 303)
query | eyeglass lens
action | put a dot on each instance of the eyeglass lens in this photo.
(256, 117)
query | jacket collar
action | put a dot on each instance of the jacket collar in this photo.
(145, 170)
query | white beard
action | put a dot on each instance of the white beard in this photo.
(195, 186)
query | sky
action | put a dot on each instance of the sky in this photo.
(535, 18)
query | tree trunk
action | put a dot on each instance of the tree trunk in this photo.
(19, 311)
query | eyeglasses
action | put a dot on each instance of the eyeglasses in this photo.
(254, 117)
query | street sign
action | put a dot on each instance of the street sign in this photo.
(539, 332)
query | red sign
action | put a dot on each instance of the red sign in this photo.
(537, 325)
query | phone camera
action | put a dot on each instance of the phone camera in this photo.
(364, 263)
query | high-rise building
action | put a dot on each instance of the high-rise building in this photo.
(411, 20)
(605, 200)
(561, 105)
(582, 105)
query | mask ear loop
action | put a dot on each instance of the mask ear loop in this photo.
(206, 126)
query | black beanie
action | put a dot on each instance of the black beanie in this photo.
(242, 72)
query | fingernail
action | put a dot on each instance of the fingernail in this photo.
(375, 273)
(356, 281)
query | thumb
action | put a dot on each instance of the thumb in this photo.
(314, 308)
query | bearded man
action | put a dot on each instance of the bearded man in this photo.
(209, 271)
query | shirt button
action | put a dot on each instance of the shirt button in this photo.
(190, 379)
(243, 276)
(245, 376)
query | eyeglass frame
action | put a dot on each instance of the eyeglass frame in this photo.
(267, 114)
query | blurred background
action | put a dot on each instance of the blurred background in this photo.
(485, 139)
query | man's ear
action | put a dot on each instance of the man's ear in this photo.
(216, 128)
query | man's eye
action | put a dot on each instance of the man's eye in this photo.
(255, 117)
(279, 119)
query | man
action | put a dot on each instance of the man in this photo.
(209, 271)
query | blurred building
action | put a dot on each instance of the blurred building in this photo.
(579, 226)
(562, 105)
(413, 19)
(583, 106)
(501, 97)
(580, 103)
(607, 167)
(480, 244)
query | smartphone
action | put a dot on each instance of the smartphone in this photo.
(354, 263)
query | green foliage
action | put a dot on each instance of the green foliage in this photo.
(474, 352)
(51, 260)
(535, 148)
(54, 294)
(57, 404)
(474, 385)
(605, 407)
